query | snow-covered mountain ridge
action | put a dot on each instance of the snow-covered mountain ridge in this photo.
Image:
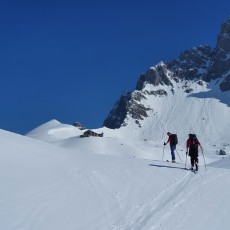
(190, 94)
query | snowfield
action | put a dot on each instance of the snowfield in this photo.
(51, 179)
(106, 183)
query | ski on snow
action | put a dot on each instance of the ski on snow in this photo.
(192, 170)
(172, 162)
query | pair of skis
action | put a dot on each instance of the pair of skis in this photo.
(192, 170)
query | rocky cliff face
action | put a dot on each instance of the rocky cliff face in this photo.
(127, 104)
(201, 63)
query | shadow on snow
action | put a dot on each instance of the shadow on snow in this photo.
(167, 166)
(215, 93)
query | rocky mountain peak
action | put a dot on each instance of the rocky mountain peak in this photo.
(156, 75)
(223, 41)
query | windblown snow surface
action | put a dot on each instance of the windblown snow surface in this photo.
(52, 179)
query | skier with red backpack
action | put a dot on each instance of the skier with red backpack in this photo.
(173, 141)
(192, 146)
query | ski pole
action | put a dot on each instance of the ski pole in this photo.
(204, 158)
(186, 161)
(163, 153)
(179, 156)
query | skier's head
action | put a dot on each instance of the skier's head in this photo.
(192, 136)
(168, 133)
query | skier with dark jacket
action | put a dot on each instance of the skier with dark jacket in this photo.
(172, 140)
(192, 146)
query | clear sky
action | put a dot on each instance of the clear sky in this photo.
(72, 60)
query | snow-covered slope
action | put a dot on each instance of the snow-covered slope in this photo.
(53, 131)
(47, 187)
(183, 113)
(179, 112)
(188, 95)
(112, 143)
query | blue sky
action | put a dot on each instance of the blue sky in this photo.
(72, 60)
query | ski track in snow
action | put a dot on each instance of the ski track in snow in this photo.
(191, 188)
(151, 211)
(161, 209)
(106, 204)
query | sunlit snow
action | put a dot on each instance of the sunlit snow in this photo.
(52, 179)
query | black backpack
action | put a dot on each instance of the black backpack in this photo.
(174, 139)
(193, 142)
